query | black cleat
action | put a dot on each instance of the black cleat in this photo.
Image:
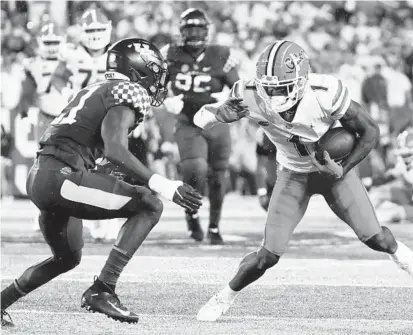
(108, 304)
(194, 227)
(6, 320)
(215, 237)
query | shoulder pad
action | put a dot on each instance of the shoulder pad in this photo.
(335, 98)
(133, 95)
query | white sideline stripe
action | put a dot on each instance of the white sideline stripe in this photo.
(92, 196)
(193, 316)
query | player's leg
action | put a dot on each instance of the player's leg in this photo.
(350, 202)
(193, 154)
(64, 236)
(219, 151)
(288, 204)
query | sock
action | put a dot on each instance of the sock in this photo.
(228, 294)
(403, 258)
(115, 263)
(10, 295)
(214, 218)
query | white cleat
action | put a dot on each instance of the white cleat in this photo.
(213, 309)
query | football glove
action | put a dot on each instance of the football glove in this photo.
(177, 192)
(327, 165)
(174, 105)
(232, 110)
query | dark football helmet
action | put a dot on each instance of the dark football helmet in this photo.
(141, 62)
(194, 26)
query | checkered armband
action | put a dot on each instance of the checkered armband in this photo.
(133, 95)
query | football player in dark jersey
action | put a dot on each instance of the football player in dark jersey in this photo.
(198, 70)
(96, 123)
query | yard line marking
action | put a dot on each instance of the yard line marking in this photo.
(244, 317)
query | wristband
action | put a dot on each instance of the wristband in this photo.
(163, 186)
(205, 119)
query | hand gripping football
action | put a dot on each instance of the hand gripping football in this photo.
(338, 142)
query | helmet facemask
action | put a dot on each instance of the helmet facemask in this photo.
(195, 36)
(49, 46)
(96, 36)
(280, 95)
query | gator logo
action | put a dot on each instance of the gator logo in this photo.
(66, 170)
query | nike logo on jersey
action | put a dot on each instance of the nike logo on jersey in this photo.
(263, 123)
(121, 311)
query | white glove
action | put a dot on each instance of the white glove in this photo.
(174, 104)
(176, 191)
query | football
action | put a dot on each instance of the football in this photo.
(338, 142)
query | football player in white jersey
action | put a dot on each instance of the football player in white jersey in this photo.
(84, 64)
(295, 108)
(38, 98)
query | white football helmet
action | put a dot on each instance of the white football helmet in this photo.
(96, 28)
(281, 75)
(49, 41)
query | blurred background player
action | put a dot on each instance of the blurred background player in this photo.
(198, 70)
(39, 100)
(394, 200)
(84, 64)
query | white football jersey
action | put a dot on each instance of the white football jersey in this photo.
(48, 98)
(325, 101)
(86, 70)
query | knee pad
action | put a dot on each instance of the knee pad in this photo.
(266, 259)
(383, 241)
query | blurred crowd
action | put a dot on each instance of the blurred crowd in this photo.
(369, 45)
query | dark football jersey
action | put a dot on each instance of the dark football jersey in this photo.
(74, 137)
(197, 78)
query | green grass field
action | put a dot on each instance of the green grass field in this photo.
(327, 283)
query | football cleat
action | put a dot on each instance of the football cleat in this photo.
(108, 304)
(6, 320)
(213, 309)
(215, 237)
(194, 227)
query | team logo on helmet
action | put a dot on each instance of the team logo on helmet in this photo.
(281, 75)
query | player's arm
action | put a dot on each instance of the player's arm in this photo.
(228, 111)
(28, 94)
(60, 79)
(357, 121)
(115, 129)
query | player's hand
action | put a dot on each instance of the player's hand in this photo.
(232, 110)
(187, 197)
(327, 165)
(174, 105)
(176, 191)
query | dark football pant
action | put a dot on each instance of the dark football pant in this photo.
(213, 145)
(347, 198)
(63, 194)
